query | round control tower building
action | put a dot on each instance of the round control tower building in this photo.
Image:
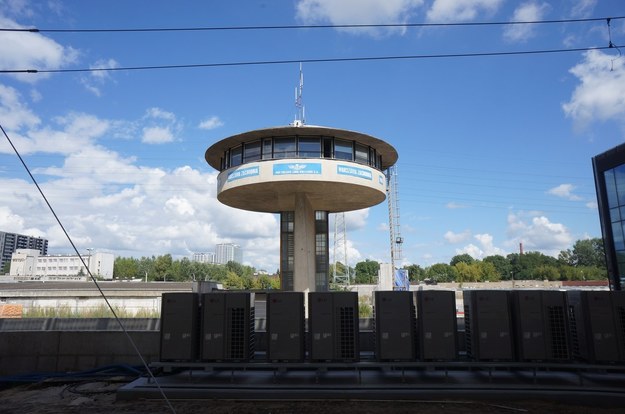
(302, 172)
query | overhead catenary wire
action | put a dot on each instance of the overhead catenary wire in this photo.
(93, 279)
(313, 60)
(307, 26)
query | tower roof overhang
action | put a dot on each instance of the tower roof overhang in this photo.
(215, 152)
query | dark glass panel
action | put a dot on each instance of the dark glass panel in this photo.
(251, 152)
(309, 147)
(610, 188)
(267, 153)
(236, 156)
(362, 154)
(617, 234)
(619, 179)
(343, 150)
(284, 148)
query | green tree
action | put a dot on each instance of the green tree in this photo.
(441, 272)
(467, 272)
(415, 272)
(239, 269)
(524, 266)
(125, 268)
(366, 272)
(6, 268)
(487, 271)
(502, 266)
(587, 252)
(216, 273)
(163, 267)
(464, 258)
(234, 281)
(146, 267)
(185, 270)
(582, 273)
(547, 272)
(266, 282)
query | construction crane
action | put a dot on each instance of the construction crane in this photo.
(400, 276)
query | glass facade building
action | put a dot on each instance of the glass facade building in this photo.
(609, 171)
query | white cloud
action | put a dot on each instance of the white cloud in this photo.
(600, 95)
(526, 12)
(592, 205)
(77, 131)
(27, 50)
(15, 114)
(443, 11)
(16, 7)
(353, 254)
(583, 8)
(156, 135)
(180, 206)
(357, 12)
(110, 202)
(454, 238)
(356, 220)
(486, 247)
(35, 95)
(211, 123)
(489, 249)
(10, 221)
(161, 126)
(472, 250)
(564, 191)
(96, 79)
(158, 113)
(452, 205)
(538, 233)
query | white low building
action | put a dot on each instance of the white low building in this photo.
(27, 264)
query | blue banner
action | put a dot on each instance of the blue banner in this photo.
(243, 173)
(401, 280)
(297, 168)
(342, 169)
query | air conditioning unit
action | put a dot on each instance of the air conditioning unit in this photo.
(596, 325)
(395, 326)
(285, 326)
(333, 326)
(488, 329)
(437, 325)
(540, 320)
(618, 304)
(227, 326)
(179, 327)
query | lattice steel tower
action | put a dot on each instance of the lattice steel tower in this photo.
(340, 276)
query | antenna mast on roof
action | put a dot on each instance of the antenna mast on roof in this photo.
(299, 105)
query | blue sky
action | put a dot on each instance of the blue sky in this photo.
(493, 151)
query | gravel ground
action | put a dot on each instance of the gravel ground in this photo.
(98, 397)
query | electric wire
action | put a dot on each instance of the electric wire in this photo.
(313, 60)
(308, 26)
(93, 279)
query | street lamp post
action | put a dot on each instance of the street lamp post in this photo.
(89, 249)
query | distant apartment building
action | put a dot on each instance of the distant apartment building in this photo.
(228, 252)
(207, 257)
(10, 242)
(27, 264)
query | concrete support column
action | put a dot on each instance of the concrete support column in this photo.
(304, 238)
